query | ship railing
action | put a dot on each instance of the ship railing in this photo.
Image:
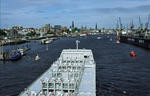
(65, 88)
(86, 94)
(70, 85)
(59, 83)
(70, 74)
(33, 93)
(69, 68)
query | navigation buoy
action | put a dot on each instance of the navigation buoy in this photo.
(132, 54)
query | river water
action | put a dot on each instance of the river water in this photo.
(117, 73)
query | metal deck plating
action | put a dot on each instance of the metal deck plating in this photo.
(73, 74)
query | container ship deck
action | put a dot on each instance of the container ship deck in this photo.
(72, 74)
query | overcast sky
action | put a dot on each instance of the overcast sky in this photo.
(36, 13)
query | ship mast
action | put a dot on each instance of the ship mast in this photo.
(77, 44)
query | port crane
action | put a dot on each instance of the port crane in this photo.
(141, 25)
(121, 27)
(117, 29)
(132, 25)
(147, 23)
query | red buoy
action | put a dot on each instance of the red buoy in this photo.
(132, 53)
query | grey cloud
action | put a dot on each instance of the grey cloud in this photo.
(6, 13)
(40, 3)
(144, 8)
(118, 10)
(46, 17)
(41, 11)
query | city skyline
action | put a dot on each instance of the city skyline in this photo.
(104, 13)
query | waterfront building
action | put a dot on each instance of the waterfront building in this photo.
(96, 26)
(72, 25)
(46, 28)
(57, 27)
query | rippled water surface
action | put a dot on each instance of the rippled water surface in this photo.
(117, 73)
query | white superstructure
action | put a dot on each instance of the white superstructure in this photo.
(73, 74)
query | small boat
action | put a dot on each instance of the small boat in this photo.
(132, 54)
(99, 37)
(21, 51)
(15, 55)
(118, 42)
(37, 57)
(46, 41)
(82, 34)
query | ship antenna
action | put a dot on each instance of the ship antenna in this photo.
(77, 44)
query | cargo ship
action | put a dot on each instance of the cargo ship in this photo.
(72, 74)
(142, 42)
(139, 37)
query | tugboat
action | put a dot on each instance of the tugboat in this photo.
(15, 55)
(132, 54)
(117, 30)
(118, 42)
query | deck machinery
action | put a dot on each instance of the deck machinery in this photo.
(72, 74)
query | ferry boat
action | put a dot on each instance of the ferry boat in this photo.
(72, 74)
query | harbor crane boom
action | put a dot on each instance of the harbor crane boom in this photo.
(147, 23)
(141, 25)
(121, 27)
